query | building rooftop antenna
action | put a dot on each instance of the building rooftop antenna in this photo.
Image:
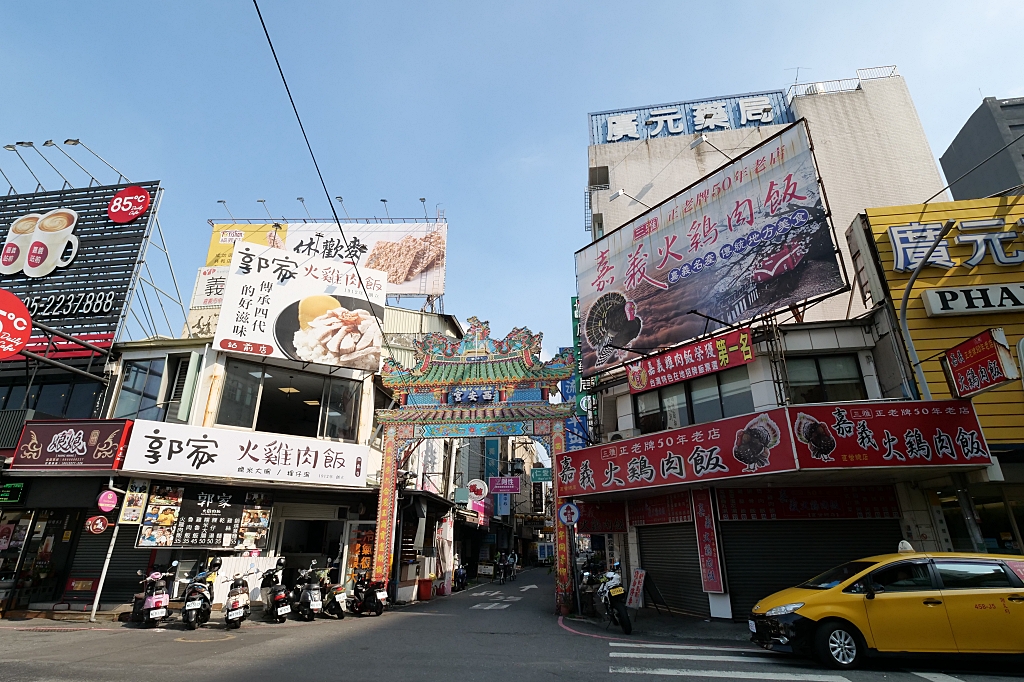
(797, 69)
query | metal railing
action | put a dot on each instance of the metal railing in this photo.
(842, 85)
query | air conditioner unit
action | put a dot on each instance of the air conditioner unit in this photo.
(621, 435)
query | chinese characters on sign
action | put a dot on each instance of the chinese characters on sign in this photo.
(707, 542)
(164, 448)
(671, 508)
(687, 118)
(750, 238)
(602, 517)
(831, 502)
(209, 288)
(987, 238)
(979, 364)
(71, 445)
(693, 360)
(284, 305)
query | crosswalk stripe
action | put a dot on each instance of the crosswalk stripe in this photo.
(936, 677)
(689, 657)
(731, 674)
(689, 647)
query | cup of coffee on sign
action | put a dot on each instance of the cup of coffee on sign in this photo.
(52, 236)
(19, 237)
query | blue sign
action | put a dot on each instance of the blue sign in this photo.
(576, 433)
(502, 504)
(492, 458)
(691, 118)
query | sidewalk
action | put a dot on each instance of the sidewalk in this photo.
(648, 622)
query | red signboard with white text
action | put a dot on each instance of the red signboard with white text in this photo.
(602, 517)
(727, 448)
(892, 434)
(979, 364)
(825, 436)
(707, 542)
(692, 360)
(659, 509)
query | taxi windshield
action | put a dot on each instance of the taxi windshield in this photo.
(837, 575)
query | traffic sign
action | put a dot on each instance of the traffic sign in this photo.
(540, 474)
(569, 514)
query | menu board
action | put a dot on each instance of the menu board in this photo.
(206, 516)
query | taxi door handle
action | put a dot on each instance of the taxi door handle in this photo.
(931, 602)
(1016, 599)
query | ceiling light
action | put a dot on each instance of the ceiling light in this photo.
(315, 403)
(288, 389)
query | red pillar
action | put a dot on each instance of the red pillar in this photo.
(383, 541)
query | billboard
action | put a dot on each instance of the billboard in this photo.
(412, 254)
(67, 445)
(282, 305)
(71, 257)
(208, 291)
(748, 239)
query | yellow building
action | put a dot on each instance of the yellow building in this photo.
(973, 281)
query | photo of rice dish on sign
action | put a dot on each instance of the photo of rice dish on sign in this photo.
(407, 258)
(330, 334)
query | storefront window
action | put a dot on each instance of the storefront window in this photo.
(278, 400)
(828, 378)
(724, 394)
(72, 399)
(35, 551)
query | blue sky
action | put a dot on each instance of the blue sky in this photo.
(480, 107)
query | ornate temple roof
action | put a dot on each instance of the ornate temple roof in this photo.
(476, 360)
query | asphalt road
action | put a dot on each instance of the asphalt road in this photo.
(504, 632)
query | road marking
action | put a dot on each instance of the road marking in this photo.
(491, 605)
(528, 587)
(689, 657)
(686, 647)
(511, 598)
(936, 677)
(195, 641)
(731, 674)
(496, 593)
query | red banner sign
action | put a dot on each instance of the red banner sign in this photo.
(979, 364)
(671, 508)
(72, 445)
(727, 448)
(892, 434)
(707, 542)
(691, 361)
(602, 517)
(824, 502)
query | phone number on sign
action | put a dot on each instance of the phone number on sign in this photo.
(84, 303)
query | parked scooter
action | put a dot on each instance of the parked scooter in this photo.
(198, 599)
(459, 579)
(613, 597)
(368, 596)
(306, 599)
(150, 607)
(333, 593)
(236, 605)
(274, 595)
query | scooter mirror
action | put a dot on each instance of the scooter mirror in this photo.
(313, 562)
(139, 572)
(174, 563)
(252, 565)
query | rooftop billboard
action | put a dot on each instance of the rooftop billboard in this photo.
(750, 238)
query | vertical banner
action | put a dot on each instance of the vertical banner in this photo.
(502, 504)
(707, 541)
(386, 507)
(636, 589)
(563, 580)
(492, 458)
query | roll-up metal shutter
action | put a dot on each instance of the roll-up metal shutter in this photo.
(669, 555)
(122, 581)
(762, 557)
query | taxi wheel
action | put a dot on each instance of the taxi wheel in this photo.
(839, 645)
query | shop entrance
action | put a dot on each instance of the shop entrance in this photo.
(35, 555)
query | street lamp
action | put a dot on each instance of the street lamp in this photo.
(926, 393)
(386, 212)
(342, 202)
(622, 193)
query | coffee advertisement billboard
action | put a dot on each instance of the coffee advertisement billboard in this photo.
(72, 255)
(751, 238)
(282, 305)
(68, 445)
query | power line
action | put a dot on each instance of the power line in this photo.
(994, 154)
(323, 183)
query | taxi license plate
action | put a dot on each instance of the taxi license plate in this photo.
(198, 603)
(752, 626)
(237, 613)
(282, 610)
(382, 596)
(315, 605)
(158, 613)
(616, 591)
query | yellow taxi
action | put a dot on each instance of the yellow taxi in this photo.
(911, 602)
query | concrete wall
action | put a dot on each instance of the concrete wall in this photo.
(994, 124)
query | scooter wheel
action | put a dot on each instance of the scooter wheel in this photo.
(378, 609)
(191, 624)
(234, 624)
(280, 619)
